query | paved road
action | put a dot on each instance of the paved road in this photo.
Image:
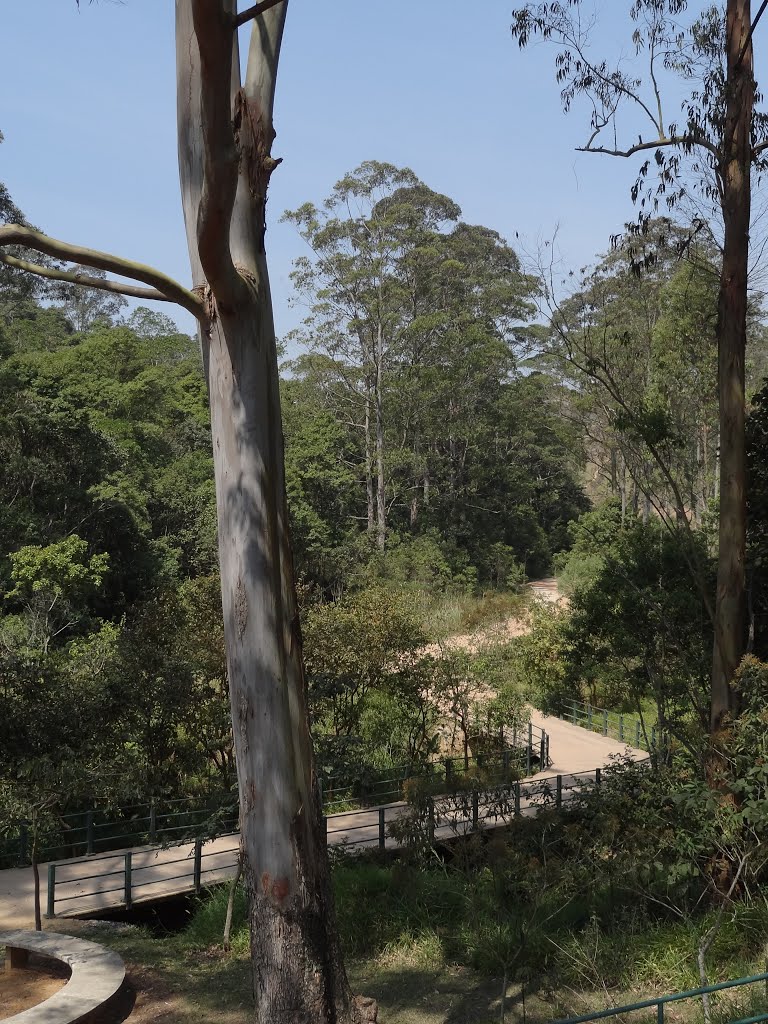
(157, 873)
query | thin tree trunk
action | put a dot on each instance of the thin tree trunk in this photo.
(36, 876)
(227, 937)
(731, 332)
(381, 502)
(370, 490)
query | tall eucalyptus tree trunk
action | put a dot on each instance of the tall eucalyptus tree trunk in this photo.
(225, 138)
(734, 173)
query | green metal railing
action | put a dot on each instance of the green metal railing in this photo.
(452, 814)
(661, 1001)
(93, 831)
(626, 728)
(523, 749)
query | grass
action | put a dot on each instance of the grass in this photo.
(450, 614)
(432, 948)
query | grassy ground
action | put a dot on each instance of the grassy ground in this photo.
(451, 614)
(429, 955)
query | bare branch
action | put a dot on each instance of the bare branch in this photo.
(752, 28)
(255, 11)
(172, 291)
(134, 290)
(676, 140)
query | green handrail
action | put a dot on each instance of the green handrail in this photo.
(660, 1002)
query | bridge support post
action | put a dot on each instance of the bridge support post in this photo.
(559, 791)
(128, 895)
(89, 833)
(382, 829)
(50, 909)
(475, 809)
(197, 867)
(517, 799)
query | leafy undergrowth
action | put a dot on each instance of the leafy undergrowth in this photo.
(429, 948)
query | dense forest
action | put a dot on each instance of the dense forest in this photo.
(449, 428)
(454, 427)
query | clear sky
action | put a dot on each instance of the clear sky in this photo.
(88, 114)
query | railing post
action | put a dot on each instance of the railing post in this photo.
(89, 833)
(23, 843)
(475, 809)
(528, 749)
(559, 791)
(517, 799)
(598, 776)
(448, 769)
(431, 820)
(325, 828)
(637, 734)
(197, 870)
(605, 723)
(621, 728)
(543, 751)
(589, 716)
(152, 821)
(382, 829)
(128, 897)
(505, 761)
(660, 1013)
(50, 910)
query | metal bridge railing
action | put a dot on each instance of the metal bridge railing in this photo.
(660, 1002)
(93, 831)
(469, 808)
(626, 728)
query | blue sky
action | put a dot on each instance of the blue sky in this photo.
(88, 114)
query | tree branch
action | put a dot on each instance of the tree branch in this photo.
(752, 28)
(16, 234)
(255, 11)
(212, 30)
(676, 140)
(84, 279)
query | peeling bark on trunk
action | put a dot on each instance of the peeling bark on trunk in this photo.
(225, 137)
(730, 636)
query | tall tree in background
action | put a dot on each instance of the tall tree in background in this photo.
(721, 137)
(225, 136)
(415, 322)
(367, 231)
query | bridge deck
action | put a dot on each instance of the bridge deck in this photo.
(159, 873)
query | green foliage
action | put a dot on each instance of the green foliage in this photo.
(409, 388)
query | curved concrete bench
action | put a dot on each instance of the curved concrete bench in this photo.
(97, 976)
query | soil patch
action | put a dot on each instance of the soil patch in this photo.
(21, 989)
